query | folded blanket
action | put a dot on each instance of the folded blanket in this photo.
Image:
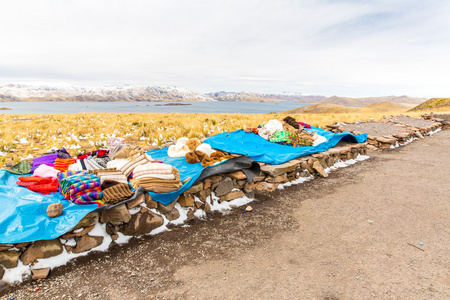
(46, 171)
(117, 193)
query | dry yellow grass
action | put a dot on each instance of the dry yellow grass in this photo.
(21, 135)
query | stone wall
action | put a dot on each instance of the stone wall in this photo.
(143, 215)
(403, 134)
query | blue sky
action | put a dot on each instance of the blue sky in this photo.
(346, 48)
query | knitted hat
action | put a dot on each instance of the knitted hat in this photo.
(192, 158)
(182, 141)
(20, 168)
(217, 154)
(291, 121)
(192, 144)
(117, 193)
(205, 148)
(201, 155)
(177, 151)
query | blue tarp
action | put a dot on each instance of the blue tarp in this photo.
(264, 151)
(23, 213)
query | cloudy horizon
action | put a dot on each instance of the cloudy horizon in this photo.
(346, 48)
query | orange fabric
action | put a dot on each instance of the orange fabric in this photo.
(62, 164)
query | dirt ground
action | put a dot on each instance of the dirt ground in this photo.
(354, 235)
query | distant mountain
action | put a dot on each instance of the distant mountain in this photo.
(347, 101)
(258, 97)
(66, 92)
(328, 108)
(433, 103)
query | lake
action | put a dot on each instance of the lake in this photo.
(148, 107)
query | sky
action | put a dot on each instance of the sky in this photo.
(350, 48)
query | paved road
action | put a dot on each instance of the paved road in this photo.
(354, 235)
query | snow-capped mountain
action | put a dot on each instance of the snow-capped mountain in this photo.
(67, 92)
(249, 96)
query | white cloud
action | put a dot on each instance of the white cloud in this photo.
(353, 48)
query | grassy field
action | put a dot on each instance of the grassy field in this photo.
(23, 136)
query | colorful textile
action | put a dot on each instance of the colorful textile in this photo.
(81, 188)
(96, 153)
(46, 159)
(305, 125)
(62, 153)
(281, 136)
(62, 164)
(45, 189)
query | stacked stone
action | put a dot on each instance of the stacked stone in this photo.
(445, 124)
(404, 134)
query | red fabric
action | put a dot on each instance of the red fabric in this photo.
(25, 184)
(96, 153)
(40, 180)
(44, 189)
(305, 125)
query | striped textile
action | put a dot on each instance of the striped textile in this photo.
(62, 164)
(117, 193)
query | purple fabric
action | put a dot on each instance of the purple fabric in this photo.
(62, 153)
(46, 159)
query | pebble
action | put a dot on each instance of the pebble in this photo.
(249, 208)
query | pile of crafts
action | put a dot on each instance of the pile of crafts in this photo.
(105, 176)
(196, 152)
(288, 132)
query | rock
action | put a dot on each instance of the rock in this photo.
(41, 249)
(117, 214)
(114, 237)
(71, 234)
(89, 220)
(3, 248)
(418, 134)
(166, 208)
(198, 204)
(318, 167)
(238, 175)
(249, 193)
(150, 202)
(194, 189)
(266, 186)
(190, 214)
(323, 162)
(142, 223)
(207, 183)
(248, 186)
(277, 179)
(275, 170)
(386, 140)
(206, 207)
(371, 147)
(317, 155)
(40, 273)
(231, 196)
(203, 195)
(259, 178)
(86, 243)
(111, 229)
(136, 202)
(2, 272)
(240, 184)
(249, 208)
(9, 259)
(335, 151)
(54, 210)
(215, 178)
(173, 214)
(224, 187)
(22, 245)
(186, 200)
